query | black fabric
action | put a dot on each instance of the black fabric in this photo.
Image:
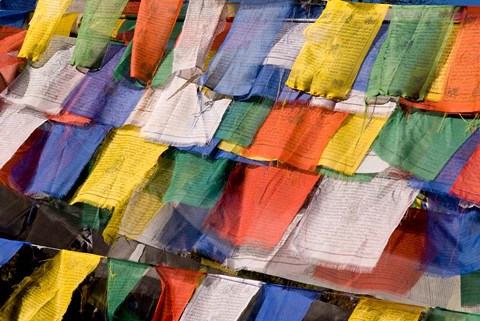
(321, 311)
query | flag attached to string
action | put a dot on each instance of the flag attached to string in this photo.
(177, 289)
(371, 309)
(122, 278)
(46, 294)
(8, 249)
(438, 314)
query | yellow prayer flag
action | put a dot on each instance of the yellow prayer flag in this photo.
(436, 89)
(125, 159)
(336, 45)
(65, 25)
(46, 18)
(46, 294)
(377, 310)
(350, 144)
(239, 150)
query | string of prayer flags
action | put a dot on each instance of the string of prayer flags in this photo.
(46, 17)
(122, 278)
(100, 98)
(460, 89)
(247, 213)
(450, 174)
(452, 237)
(469, 284)
(342, 230)
(234, 68)
(348, 147)
(197, 181)
(205, 19)
(326, 312)
(282, 303)
(409, 56)
(45, 88)
(295, 134)
(421, 142)
(99, 21)
(124, 161)
(242, 120)
(15, 127)
(155, 23)
(8, 249)
(46, 294)
(220, 298)
(344, 30)
(376, 310)
(183, 114)
(63, 157)
(177, 288)
(399, 267)
(437, 314)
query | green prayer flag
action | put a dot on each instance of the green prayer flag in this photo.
(445, 315)
(352, 178)
(98, 24)
(197, 181)
(242, 121)
(470, 289)
(406, 63)
(94, 217)
(122, 278)
(421, 142)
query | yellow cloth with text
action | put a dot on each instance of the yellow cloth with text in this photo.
(43, 25)
(125, 159)
(377, 310)
(46, 294)
(336, 45)
(350, 144)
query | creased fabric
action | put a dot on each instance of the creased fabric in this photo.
(247, 213)
(184, 116)
(376, 310)
(46, 294)
(466, 184)
(45, 19)
(421, 142)
(45, 88)
(197, 181)
(469, 289)
(98, 24)
(15, 127)
(399, 267)
(233, 70)
(100, 98)
(408, 58)
(295, 134)
(177, 288)
(124, 160)
(452, 236)
(322, 311)
(122, 278)
(344, 31)
(341, 229)
(283, 303)
(154, 26)
(8, 249)
(66, 152)
(205, 19)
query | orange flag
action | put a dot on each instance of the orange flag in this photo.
(155, 22)
(467, 185)
(398, 269)
(295, 134)
(177, 289)
(259, 203)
